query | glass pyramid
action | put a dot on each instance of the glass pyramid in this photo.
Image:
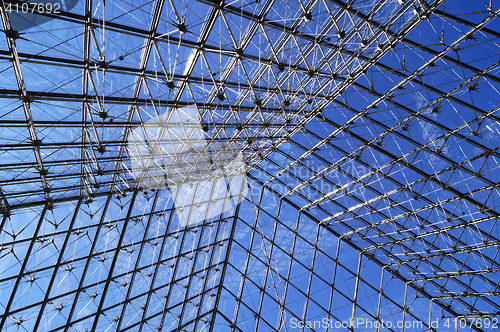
(267, 165)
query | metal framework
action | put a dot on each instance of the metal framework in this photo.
(370, 138)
